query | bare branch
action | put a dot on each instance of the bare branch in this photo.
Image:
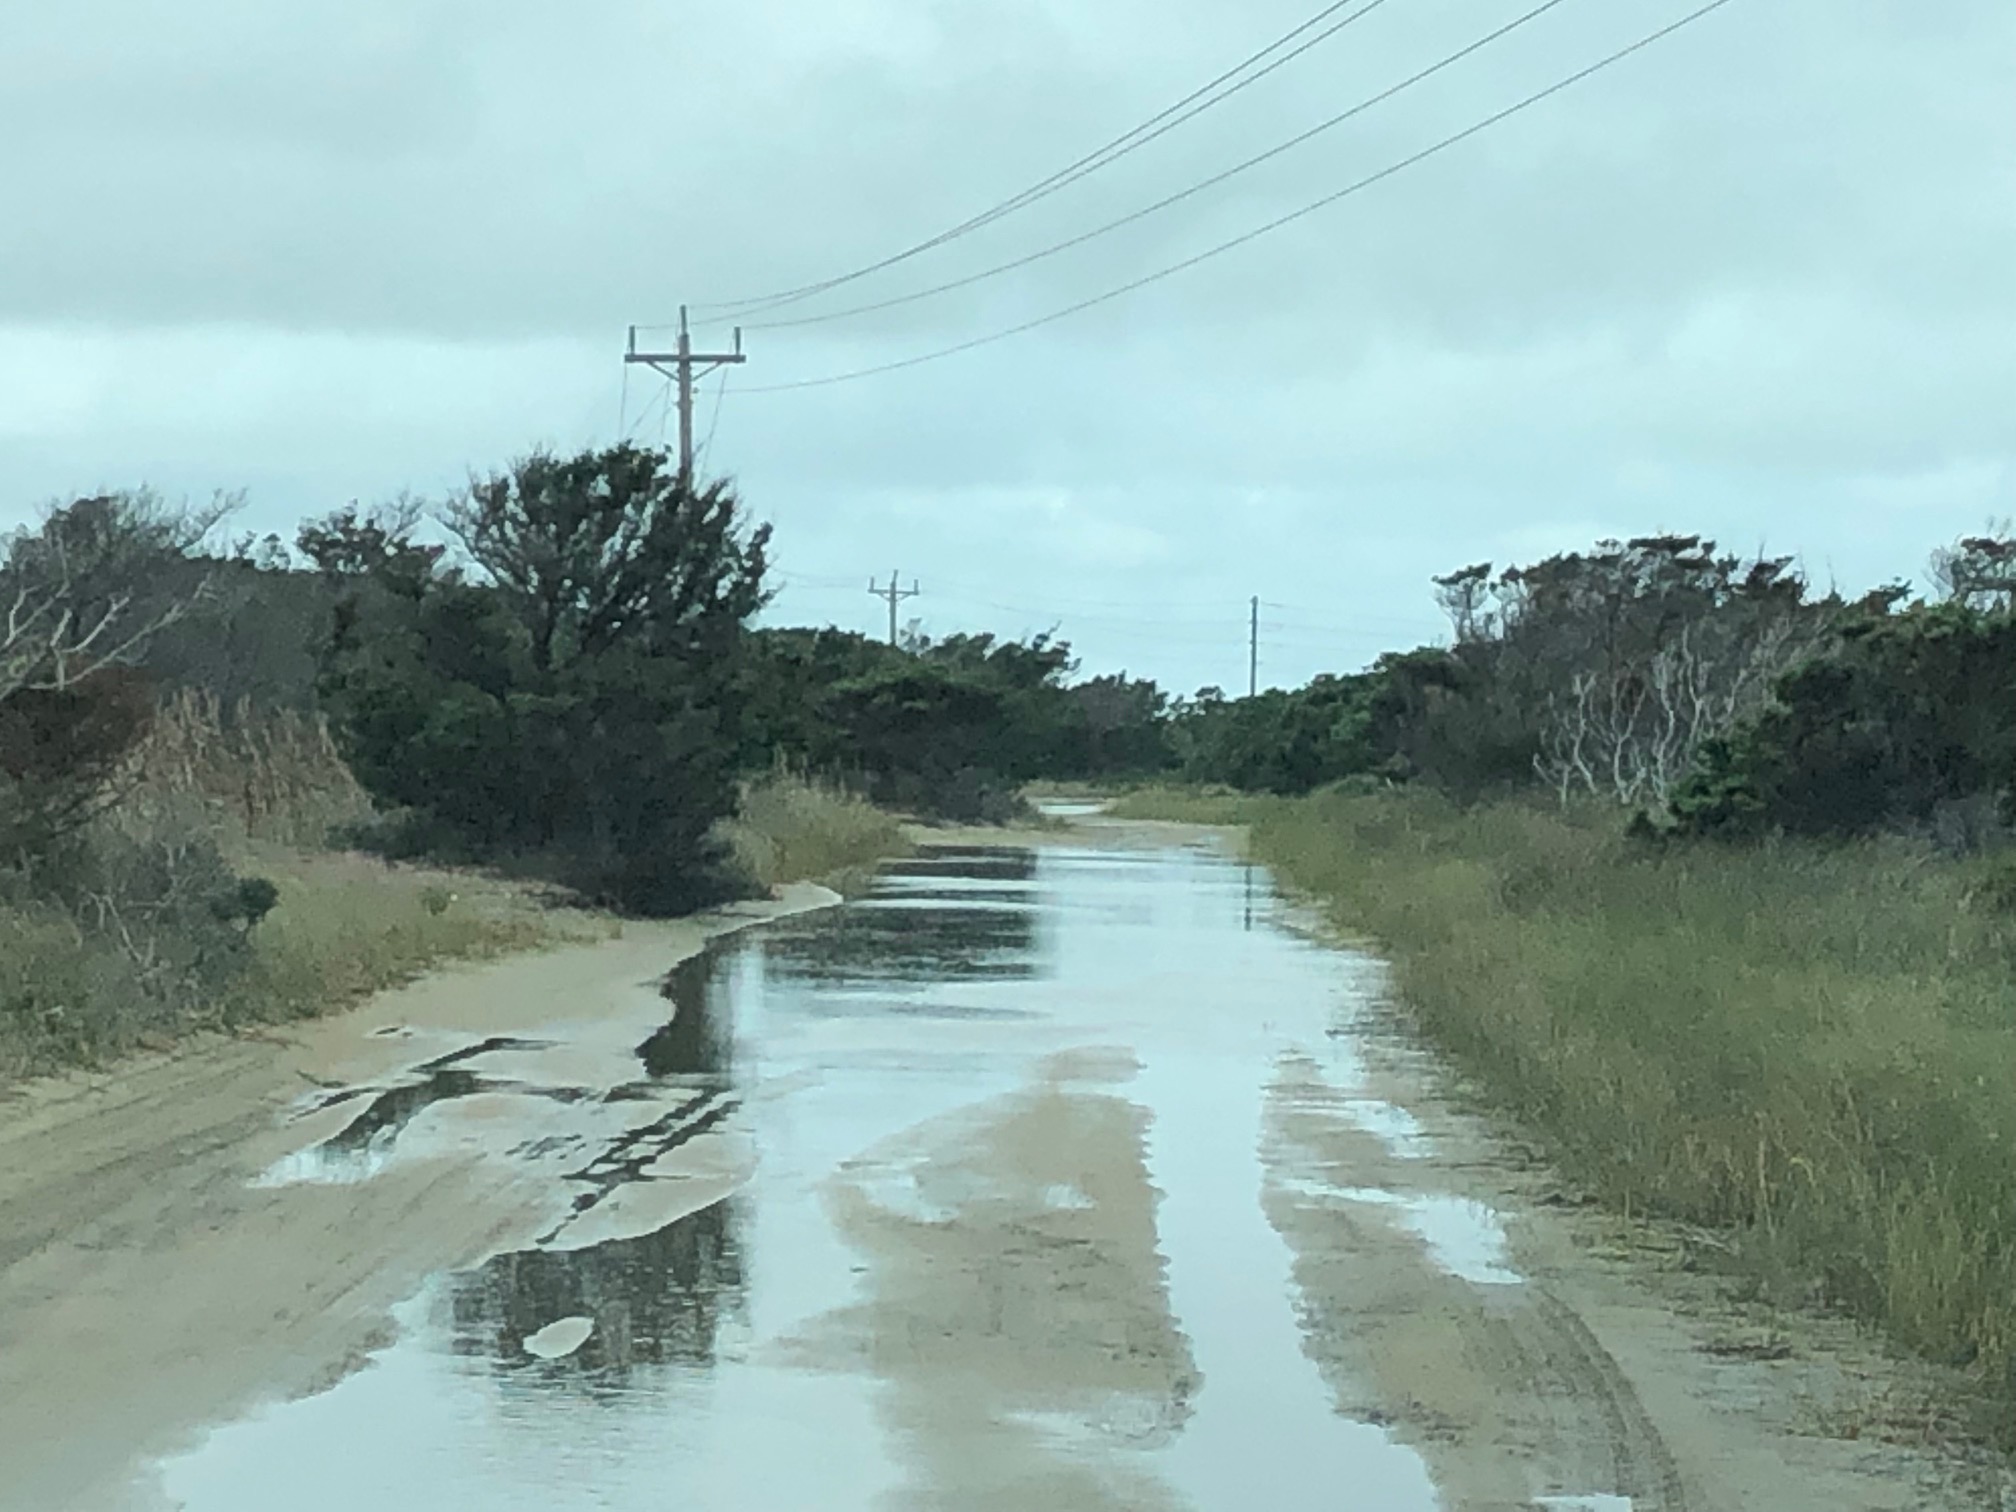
(72, 589)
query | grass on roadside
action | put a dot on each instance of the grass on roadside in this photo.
(347, 927)
(793, 829)
(342, 929)
(1813, 1047)
(1187, 805)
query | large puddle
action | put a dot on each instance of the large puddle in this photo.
(658, 1344)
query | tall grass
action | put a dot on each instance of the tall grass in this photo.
(1812, 1048)
(345, 928)
(794, 829)
(1187, 805)
(269, 774)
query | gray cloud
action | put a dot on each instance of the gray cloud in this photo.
(1760, 281)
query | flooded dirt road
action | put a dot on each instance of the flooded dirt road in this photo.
(1069, 1176)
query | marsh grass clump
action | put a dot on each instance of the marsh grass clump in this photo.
(791, 828)
(345, 927)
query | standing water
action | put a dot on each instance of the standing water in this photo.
(999, 1239)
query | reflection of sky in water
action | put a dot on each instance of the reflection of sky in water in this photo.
(820, 1038)
(1464, 1237)
(1393, 1126)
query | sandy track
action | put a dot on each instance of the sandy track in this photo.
(1025, 1292)
(148, 1289)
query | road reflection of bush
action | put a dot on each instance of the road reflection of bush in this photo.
(660, 1300)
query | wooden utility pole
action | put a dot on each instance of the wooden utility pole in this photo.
(1253, 652)
(683, 367)
(895, 595)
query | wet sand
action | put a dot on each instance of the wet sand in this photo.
(1020, 1289)
(1068, 1171)
(151, 1286)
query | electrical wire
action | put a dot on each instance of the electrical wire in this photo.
(1155, 126)
(807, 580)
(1257, 232)
(1330, 627)
(1192, 630)
(1180, 196)
(1197, 639)
(644, 414)
(1148, 607)
(1301, 621)
(720, 393)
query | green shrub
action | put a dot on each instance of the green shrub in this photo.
(568, 703)
(1908, 720)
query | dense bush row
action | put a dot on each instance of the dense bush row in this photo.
(1710, 695)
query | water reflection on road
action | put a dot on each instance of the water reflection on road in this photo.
(697, 1364)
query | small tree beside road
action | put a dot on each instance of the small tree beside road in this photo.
(566, 691)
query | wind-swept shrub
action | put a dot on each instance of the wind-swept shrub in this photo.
(567, 696)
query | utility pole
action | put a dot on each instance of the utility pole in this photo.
(895, 595)
(683, 367)
(1253, 652)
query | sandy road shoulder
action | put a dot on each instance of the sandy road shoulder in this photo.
(149, 1288)
(1610, 1368)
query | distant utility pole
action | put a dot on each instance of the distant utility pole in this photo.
(895, 595)
(683, 366)
(1253, 652)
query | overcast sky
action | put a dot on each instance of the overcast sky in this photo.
(1759, 281)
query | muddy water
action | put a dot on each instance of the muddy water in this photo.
(1000, 1053)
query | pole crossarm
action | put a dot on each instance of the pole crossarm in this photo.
(683, 366)
(668, 362)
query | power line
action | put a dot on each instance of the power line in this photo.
(1180, 196)
(1053, 612)
(813, 580)
(1157, 614)
(1254, 235)
(1185, 632)
(720, 393)
(1394, 623)
(1130, 141)
(661, 401)
(1192, 630)
(1156, 606)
